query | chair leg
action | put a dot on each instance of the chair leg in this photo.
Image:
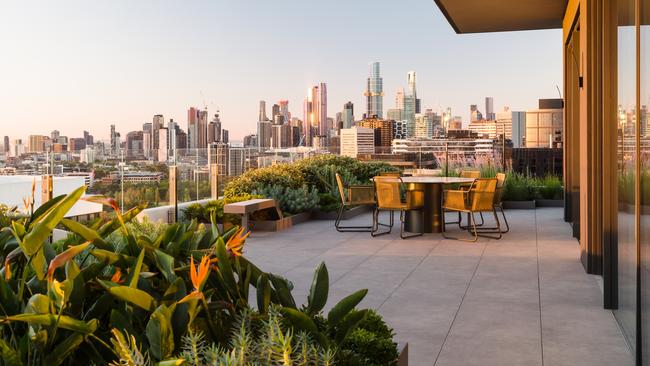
(375, 224)
(471, 228)
(505, 220)
(349, 229)
(401, 230)
(497, 231)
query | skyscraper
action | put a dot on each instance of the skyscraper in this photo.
(157, 123)
(399, 98)
(275, 111)
(115, 141)
(412, 90)
(90, 140)
(315, 113)
(6, 146)
(262, 116)
(54, 135)
(214, 129)
(489, 109)
(374, 93)
(284, 110)
(348, 115)
(197, 128)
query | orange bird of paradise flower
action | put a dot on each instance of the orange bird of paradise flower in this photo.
(198, 276)
(236, 242)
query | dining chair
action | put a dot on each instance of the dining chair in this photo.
(388, 193)
(390, 174)
(355, 195)
(479, 198)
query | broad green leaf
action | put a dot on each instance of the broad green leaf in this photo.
(64, 349)
(113, 258)
(263, 293)
(8, 299)
(165, 263)
(134, 296)
(225, 269)
(349, 323)
(18, 230)
(9, 356)
(41, 229)
(86, 233)
(281, 286)
(64, 257)
(319, 290)
(39, 264)
(49, 320)
(340, 310)
(177, 362)
(38, 304)
(115, 224)
(302, 321)
(45, 209)
(134, 274)
(159, 332)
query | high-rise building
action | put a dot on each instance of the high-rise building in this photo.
(413, 91)
(489, 109)
(315, 113)
(164, 149)
(54, 135)
(197, 128)
(347, 116)
(225, 136)
(284, 110)
(264, 131)
(147, 139)
(357, 140)
(400, 129)
(423, 126)
(157, 123)
(19, 147)
(544, 126)
(475, 114)
(275, 111)
(76, 144)
(214, 129)
(408, 113)
(382, 128)
(262, 115)
(6, 146)
(374, 93)
(115, 141)
(134, 144)
(394, 114)
(37, 143)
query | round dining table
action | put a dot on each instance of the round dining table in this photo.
(432, 211)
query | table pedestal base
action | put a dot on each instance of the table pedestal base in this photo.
(432, 210)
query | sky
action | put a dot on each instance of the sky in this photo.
(83, 65)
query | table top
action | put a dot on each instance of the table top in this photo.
(436, 180)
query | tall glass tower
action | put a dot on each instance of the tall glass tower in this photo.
(374, 93)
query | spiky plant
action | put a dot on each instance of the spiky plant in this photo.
(128, 351)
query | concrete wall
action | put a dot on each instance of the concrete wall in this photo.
(163, 213)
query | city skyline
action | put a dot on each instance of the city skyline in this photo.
(116, 73)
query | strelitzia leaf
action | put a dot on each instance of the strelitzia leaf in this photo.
(64, 349)
(49, 320)
(64, 257)
(86, 233)
(10, 356)
(159, 332)
(134, 296)
(263, 293)
(319, 290)
(340, 310)
(134, 275)
(113, 258)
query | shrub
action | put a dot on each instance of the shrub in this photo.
(550, 188)
(517, 188)
(292, 200)
(363, 347)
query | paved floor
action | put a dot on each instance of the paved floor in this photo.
(522, 300)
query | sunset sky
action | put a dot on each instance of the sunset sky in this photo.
(75, 65)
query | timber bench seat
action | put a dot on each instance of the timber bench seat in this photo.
(245, 208)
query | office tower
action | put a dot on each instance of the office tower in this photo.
(456, 123)
(278, 119)
(284, 110)
(6, 146)
(264, 131)
(281, 136)
(423, 126)
(115, 141)
(54, 135)
(399, 98)
(348, 115)
(357, 140)
(374, 93)
(19, 147)
(412, 90)
(408, 113)
(262, 116)
(90, 140)
(214, 129)
(383, 130)
(197, 128)
(76, 144)
(157, 123)
(394, 114)
(315, 113)
(400, 129)
(544, 126)
(36, 143)
(134, 144)
(164, 149)
(238, 161)
(475, 114)
(338, 122)
(225, 136)
(515, 123)
(147, 139)
(489, 109)
(250, 141)
(275, 111)
(174, 141)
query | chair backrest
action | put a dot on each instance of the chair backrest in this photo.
(501, 185)
(482, 194)
(339, 183)
(390, 174)
(387, 191)
(470, 174)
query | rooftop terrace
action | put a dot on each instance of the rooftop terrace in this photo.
(522, 300)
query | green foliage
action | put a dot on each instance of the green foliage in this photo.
(550, 188)
(363, 347)
(520, 187)
(203, 212)
(291, 200)
(129, 293)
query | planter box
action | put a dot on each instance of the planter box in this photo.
(354, 211)
(549, 203)
(282, 224)
(403, 359)
(519, 205)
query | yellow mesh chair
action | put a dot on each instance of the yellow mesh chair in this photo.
(388, 193)
(498, 203)
(479, 198)
(390, 174)
(474, 174)
(353, 196)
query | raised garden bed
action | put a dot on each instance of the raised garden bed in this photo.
(549, 203)
(519, 205)
(281, 224)
(403, 359)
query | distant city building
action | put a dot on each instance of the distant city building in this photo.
(475, 114)
(382, 128)
(197, 128)
(54, 135)
(284, 110)
(544, 126)
(374, 93)
(456, 123)
(37, 143)
(489, 109)
(134, 144)
(394, 114)
(262, 114)
(423, 126)
(357, 140)
(250, 141)
(413, 91)
(225, 136)
(76, 144)
(400, 129)
(315, 113)
(491, 129)
(6, 146)
(347, 116)
(164, 150)
(264, 131)
(408, 113)
(115, 141)
(90, 140)
(19, 147)
(517, 122)
(157, 123)
(214, 129)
